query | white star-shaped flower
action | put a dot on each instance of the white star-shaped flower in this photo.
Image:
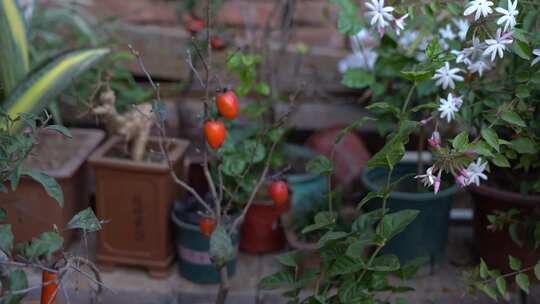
(400, 24)
(536, 52)
(427, 179)
(380, 15)
(478, 67)
(509, 15)
(449, 107)
(447, 32)
(498, 45)
(463, 28)
(475, 172)
(445, 76)
(480, 7)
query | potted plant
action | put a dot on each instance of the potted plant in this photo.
(481, 65)
(133, 174)
(25, 93)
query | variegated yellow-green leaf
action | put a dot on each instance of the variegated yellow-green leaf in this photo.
(44, 84)
(14, 58)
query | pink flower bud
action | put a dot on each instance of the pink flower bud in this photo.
(435, 140)
(437, 185)
(425, 121)
(470, 153)
(382, 30)
(461, 180)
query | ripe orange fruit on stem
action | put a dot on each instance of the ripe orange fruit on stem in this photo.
(193, 24)
(207, 226)
(279, 192)
(215, 133)
(218, 43)
(227, 104)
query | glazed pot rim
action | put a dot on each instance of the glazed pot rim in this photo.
(428, 196)
(515, 197)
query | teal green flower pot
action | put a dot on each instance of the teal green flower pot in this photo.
(427, 235)
(308, 190)
(192, 251)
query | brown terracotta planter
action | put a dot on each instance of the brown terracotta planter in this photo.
(136, 197)
(30, 210)
(494, 247)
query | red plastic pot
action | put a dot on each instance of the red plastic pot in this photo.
(350, 157)
(262, 231)
(495, 246)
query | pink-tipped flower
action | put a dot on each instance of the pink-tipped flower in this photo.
(381, 31)
(462, 179)
(425, 121)
(435, 140)
(470, 153)
(437, 185)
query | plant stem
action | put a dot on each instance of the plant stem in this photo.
(409, 96)
(223, 285)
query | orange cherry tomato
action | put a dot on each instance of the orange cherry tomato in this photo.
(227, 104)
(207, 225)
(215, 133)
(193, 24)
(279, 192)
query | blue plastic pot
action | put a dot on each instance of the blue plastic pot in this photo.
(427, 235)
(308, 190)
(192, 247)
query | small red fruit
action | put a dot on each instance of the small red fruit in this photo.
(193, 24)
(207, 225)
(218, 43)
(227, 104)
(279, 192)
(215, 133)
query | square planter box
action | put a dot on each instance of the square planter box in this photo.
(136, 197)
(30, 210)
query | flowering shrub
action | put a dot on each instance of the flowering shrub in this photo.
(474, 76)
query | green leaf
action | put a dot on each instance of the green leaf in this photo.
(6, 239)
(50, 185)
(43, 85)
(537, 271)
(521, 49)
(522, 91)
(85, 220)
(319, 165)
(14, 53)
(522, 281)
(394, 223)
(491, 138)
(348, 21)
(433, 49)
(233, 165)
(357, 78)
(389, 155)
(386, 107)
(513, 118)
(344, 265)
(501, 285)
(17, 280)
(60, 129)
(262, 88)
(3, 214)
(523, 145)
(277, 280)
(290, 258)
(460, 141)
(417, 76)
(45, 245)
(322, 219)
(501, 161)
(221, 247)
(515, 264)
(331, 236)
(253, 151)
(484, 271)
(488, 290)
(386, 263)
